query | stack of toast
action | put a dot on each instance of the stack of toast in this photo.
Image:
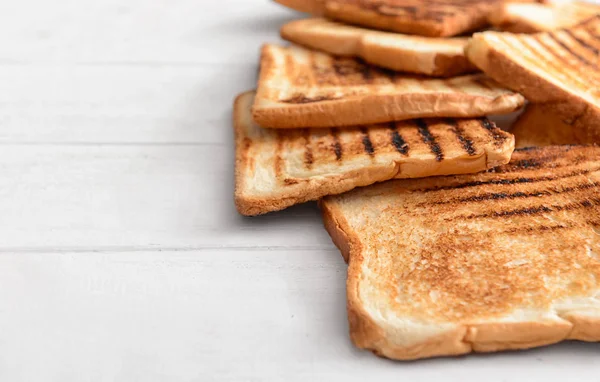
(456, 241)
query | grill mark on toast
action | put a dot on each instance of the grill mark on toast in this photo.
(366, 141)
(582, 42)
(547, 161)
(568, 49)
(494, 132)
(528, 211)
(429, 140)
(531, 163)
(397, 141)
(517, 195)
(308, 154)
(511, 181)
(337, 147)
(540, 57)
(465, 142)
(344, 67)
(497, 135)
(536, 229)
(436, 11)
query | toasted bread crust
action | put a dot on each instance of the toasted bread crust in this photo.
(460, 338)
(568, 105)
(302, 88)
(364, 332)
(276, 169)
(443, 58)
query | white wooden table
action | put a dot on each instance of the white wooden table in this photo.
(122, 257)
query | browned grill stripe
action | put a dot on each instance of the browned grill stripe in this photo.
(496, 134)
(537, 163)
(536, 229)
(531, 163)
(368, 145)
(568, 49)
(429, 139)
(416, 13)
(586, 203)
(465, 142)
(308, 154)
(397, 140)
(582, 42)
(540, 58)
(517, 195)
(593, 35)
(337, 147)
(512, 181)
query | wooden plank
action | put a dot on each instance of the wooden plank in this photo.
(223, 316)
(117, 104)
(77, 197)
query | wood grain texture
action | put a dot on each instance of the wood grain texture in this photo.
(121, 255)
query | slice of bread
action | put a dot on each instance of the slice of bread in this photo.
(559, 68)
(278, 168)
(535, 17)
(506, 259)
(439, 57)
(432, 18)
(540, 126)
(304, 88)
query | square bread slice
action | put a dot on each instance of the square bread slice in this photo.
(506, 259)
(535, 17)
(540, 126)
(558, 68)
(438, 57)
(278, 168)
(298, 87)
(431, 18)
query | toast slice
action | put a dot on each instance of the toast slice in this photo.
(506, 259)
(559, 68)
(439, 57)
(540, 126)
(536, 17)
(298, 87)
(278, 168)
(432, 18)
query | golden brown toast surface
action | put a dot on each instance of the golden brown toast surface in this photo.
(505, 259)
(432, 18)
(440, 57)
(278, 168)
(304, 88)
(540, 126)
(559, 68)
